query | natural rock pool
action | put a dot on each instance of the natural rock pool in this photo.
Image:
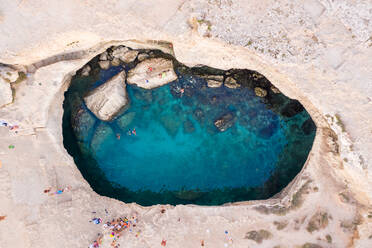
(209, 137)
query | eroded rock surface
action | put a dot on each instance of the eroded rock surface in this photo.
(7, 76)
(225, 122)
(6, 96)
(214, 81)
(124, 54)
(260, 92)
(152, 73)
(104, 64)
(231, 83)
(108, 99)
(82, 123)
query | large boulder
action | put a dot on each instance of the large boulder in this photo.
(188, 126)
(152, 73)
(213, 81)
(231, 83)
(260, 92)
(124, 54)
(108, 99)
(225, 122)
(104, 64)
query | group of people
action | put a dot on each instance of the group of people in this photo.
(10, 126)
(115, 227)
(130, 132)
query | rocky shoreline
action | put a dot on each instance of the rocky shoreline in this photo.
(318, 53)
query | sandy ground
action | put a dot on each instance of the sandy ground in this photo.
(316, 51)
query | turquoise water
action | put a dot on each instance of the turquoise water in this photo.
(177, 154)
(173, 150)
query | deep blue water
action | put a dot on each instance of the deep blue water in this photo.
(177, 155)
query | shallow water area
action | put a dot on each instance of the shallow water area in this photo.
(167, 148)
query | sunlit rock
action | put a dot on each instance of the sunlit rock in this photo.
(260, 92)
(108, 99)
(152, 73)
(231, 83)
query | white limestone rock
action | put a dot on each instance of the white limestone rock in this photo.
(143, 56)
(115, 62)
(129, 56)
(104, 64)
(103, 56)
(124, 54)
(125, 120)
(6, 95)
(260, 92)
(231, 83)
(314, 8)
(108, 99)
(214, 81)
(8, 74)
(85, 71)
(152, 73)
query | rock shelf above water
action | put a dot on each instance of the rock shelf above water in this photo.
(152, 73)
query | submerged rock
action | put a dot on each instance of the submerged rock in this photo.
(188, 127)
(152, 73)
(108, 99)
(225, 122)
(170, 124)
(125, 120)
(82, 123)
(308, 126)
(292, 108)
(189, 195)
(102, 132)
(275, 90)
(260, 92)
(104, 65)
(268, 131)
(198, 114)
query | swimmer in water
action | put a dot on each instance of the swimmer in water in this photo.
(134, 131)
(118, 136)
